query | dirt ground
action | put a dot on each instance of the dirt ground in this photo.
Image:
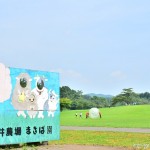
(77, 147)
(68, 147)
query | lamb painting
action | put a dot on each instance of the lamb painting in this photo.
(24, 93)
(32, 106)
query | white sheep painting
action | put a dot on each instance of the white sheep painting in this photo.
(51, 103)
(42, 94)
(21, 92)
(5, 83)
(27, 93)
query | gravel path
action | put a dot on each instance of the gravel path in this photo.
(139, 130)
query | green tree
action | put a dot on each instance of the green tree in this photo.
(74, 105)
(145, 95)
(67, 92)
(127, 96)
(65, 103)
(118, 99)
(100, 101)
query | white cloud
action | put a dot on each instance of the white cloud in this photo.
(70, 76)
(69, 73)
(118, 74)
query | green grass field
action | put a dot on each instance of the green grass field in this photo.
(134, 141)
(123, 116)
(135, 116)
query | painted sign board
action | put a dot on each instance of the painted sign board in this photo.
(29, 106)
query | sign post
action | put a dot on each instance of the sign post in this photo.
(29, 106)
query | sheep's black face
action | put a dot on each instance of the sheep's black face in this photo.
(40, 84)
(23, 82)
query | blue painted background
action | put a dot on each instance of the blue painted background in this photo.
(35, 129)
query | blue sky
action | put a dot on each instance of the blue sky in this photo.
(96, 46)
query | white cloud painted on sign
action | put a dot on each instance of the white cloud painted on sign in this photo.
(5, 83)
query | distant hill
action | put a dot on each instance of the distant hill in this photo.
(99, 95)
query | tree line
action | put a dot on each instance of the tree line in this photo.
(75, 99)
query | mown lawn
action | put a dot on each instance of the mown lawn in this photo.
(124, 116)
(132, 141)
(136, 116)
(115, 139)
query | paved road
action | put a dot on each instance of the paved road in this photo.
(139, 130)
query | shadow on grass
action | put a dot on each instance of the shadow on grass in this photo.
(33, 145)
